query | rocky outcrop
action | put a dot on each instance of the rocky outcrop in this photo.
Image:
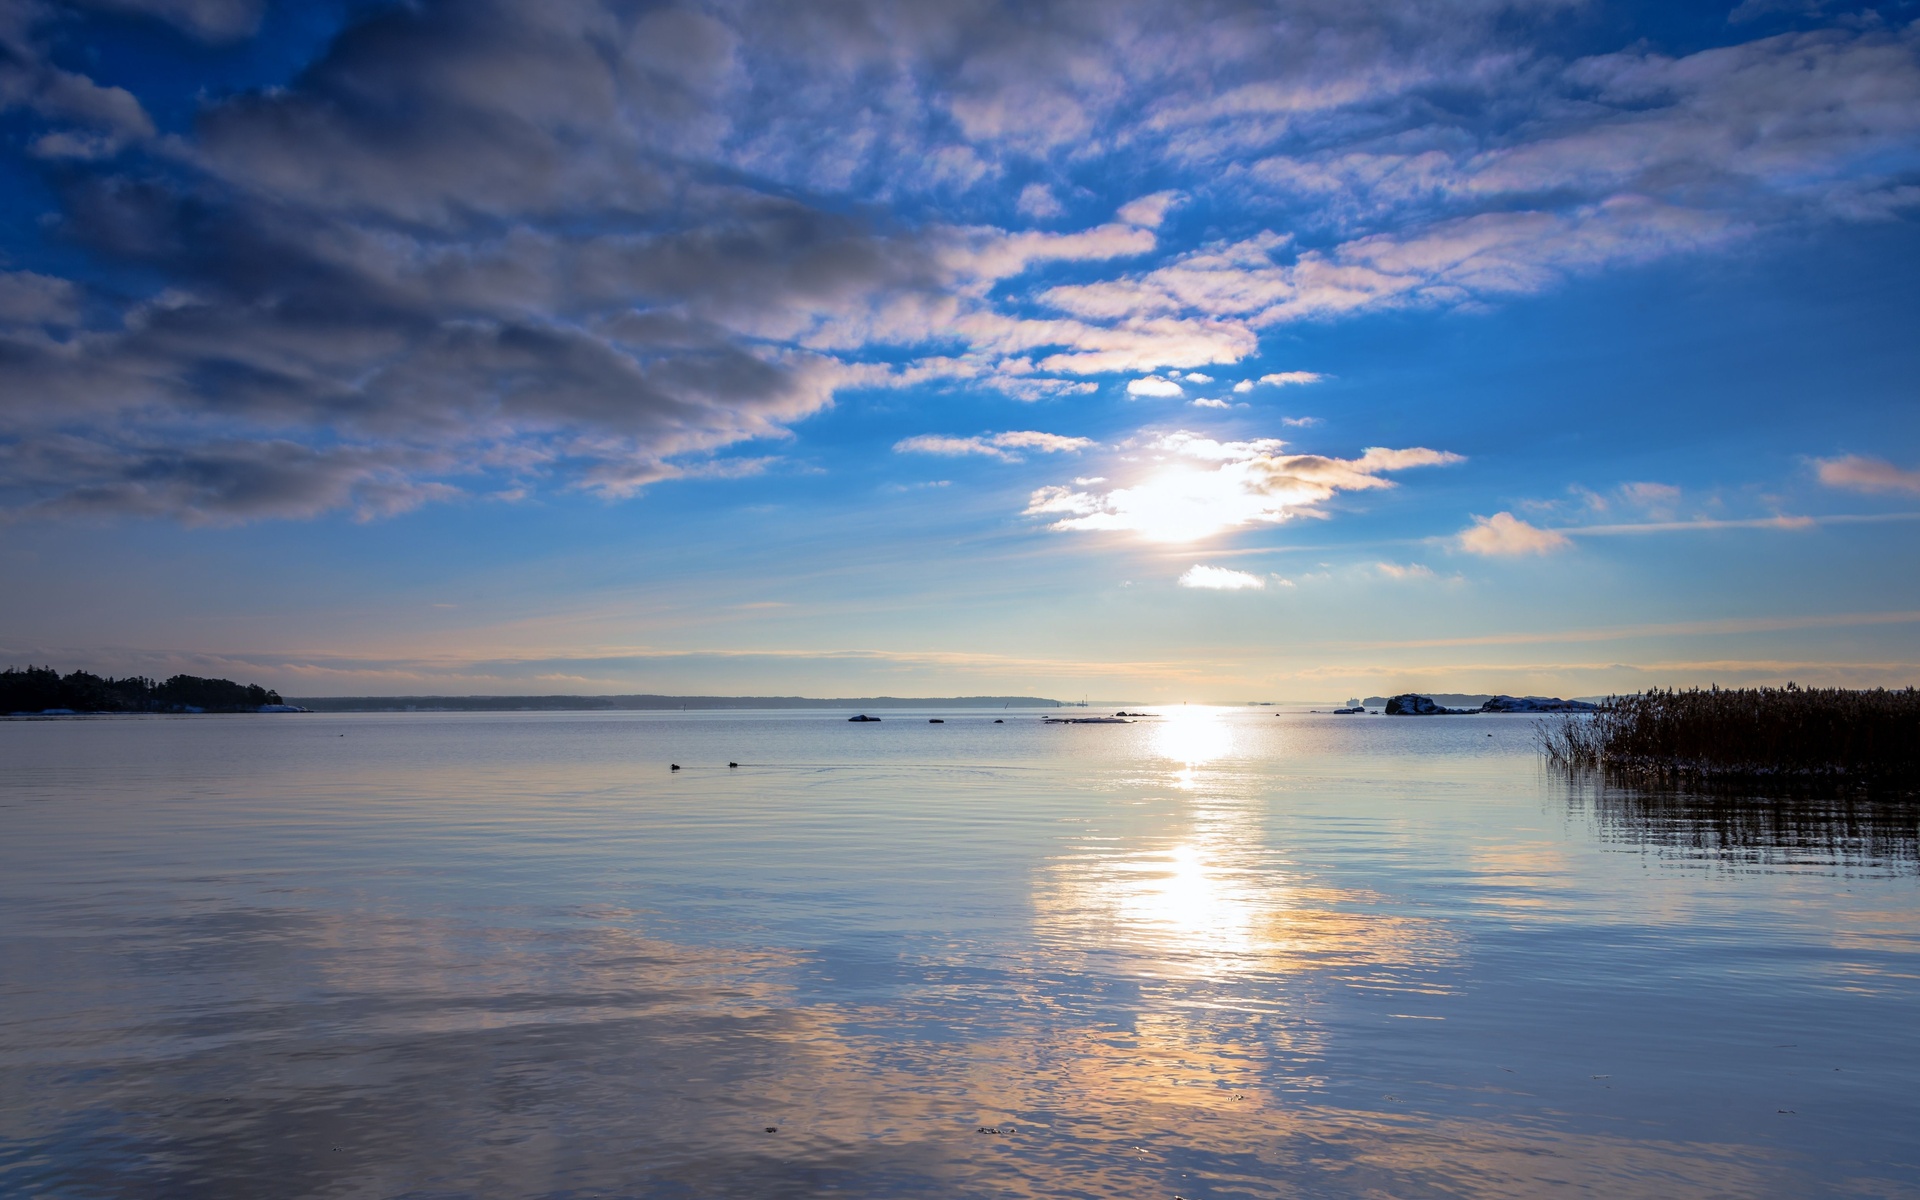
(1534, 704)
(1410, 705)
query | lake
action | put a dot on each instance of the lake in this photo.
(1218, 953)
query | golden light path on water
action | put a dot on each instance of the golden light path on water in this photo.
(1214, 902)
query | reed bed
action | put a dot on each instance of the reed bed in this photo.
(1787, 733)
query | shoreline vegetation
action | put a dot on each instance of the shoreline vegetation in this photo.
(1789, 734)
(43, 691)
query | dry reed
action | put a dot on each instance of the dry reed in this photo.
(1747, 733)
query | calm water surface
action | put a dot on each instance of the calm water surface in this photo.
(1220, 954)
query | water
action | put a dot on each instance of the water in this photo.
(1221, 954)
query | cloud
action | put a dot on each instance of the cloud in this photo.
(1650, 495)
(30, 299)
(1154, 387)
(1404, 571)
(208, 20)
(1149, 211)
(1504, 535)
(1197, 377)
(1193, 486)
(1300, 422)
(1038, 201)
(1859, 473)
(579, 244)
(1292, 378)
(1204, 403)
(995, 445)
(1220, 579)
(222, 483)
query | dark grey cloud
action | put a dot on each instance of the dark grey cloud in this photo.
(219, 482)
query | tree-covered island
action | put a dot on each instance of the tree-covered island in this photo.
(34, 690)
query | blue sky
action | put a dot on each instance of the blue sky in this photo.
(1216, 351)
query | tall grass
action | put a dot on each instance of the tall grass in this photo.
(1789, 732)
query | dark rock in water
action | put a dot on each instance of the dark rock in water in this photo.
(936, 721)
(1410, 705)
(1534, 704)
(863, 717)
(1443, 699)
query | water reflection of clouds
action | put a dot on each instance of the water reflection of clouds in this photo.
(431, 1057)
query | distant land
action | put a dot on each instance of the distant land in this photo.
(1452, 699)
(647, 703)
(43, 690)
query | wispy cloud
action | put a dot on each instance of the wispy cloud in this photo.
(1292, 378)
(1717, 627)
(1004, 446)
(1404, 571)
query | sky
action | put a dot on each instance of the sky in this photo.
(1215, 351)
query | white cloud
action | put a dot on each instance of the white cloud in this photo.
(1197, 377)
(1152, 386)
(1504, 535)
(994, 445)
(1209, 403)
(1245, 385)
(1192, 487)
(1292, 378)
(1149, 211)
(1037, 201)
(1859, 473)
(1220, 579)
(1301, 422)
(1033, 439)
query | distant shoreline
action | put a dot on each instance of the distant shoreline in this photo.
(650, 703)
